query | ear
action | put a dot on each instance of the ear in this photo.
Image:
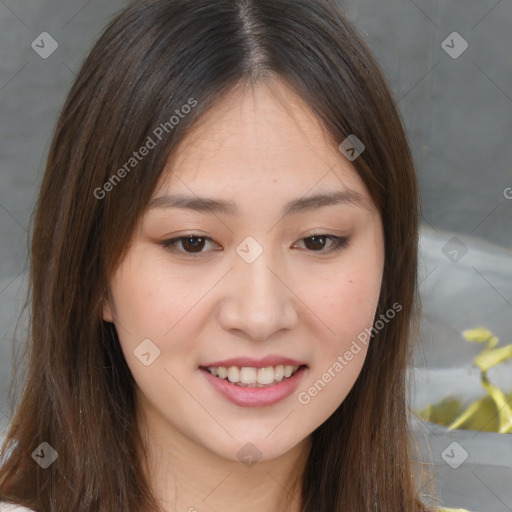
(106, 308)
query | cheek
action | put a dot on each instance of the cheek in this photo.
(348, 308)
(349, 303)
(154, 303)
(150, 299)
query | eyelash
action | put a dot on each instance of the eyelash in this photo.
(339, 242)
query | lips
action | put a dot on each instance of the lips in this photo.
(250, 382)
(255, 395)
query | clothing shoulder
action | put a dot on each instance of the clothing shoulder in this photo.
(9, 507)
(449, 510)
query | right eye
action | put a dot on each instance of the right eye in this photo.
(191, 244)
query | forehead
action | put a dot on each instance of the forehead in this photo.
(261, 140)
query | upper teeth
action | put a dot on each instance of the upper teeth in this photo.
(250, 375)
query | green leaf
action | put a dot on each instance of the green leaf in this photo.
(502, 405)
(477, 335)
(467, 416)
(480, 415)
(492, 356)
(443, 412)
(493, 412)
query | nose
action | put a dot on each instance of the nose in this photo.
(258, 301)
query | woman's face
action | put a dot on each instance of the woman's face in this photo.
(253, 291)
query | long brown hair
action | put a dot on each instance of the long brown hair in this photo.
(153, 58)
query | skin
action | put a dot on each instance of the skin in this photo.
(260, 147)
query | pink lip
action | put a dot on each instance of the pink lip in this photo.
(255, 397)
(255, 363)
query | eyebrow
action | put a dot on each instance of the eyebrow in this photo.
(307, 203)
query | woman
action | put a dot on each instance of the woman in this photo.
(223, 273)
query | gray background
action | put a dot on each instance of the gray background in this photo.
(458, 113)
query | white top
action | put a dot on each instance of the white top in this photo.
(9, 507)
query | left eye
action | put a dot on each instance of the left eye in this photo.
(193, 244)
(317, 242)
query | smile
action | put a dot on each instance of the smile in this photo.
(254, 377)
(248, 386)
